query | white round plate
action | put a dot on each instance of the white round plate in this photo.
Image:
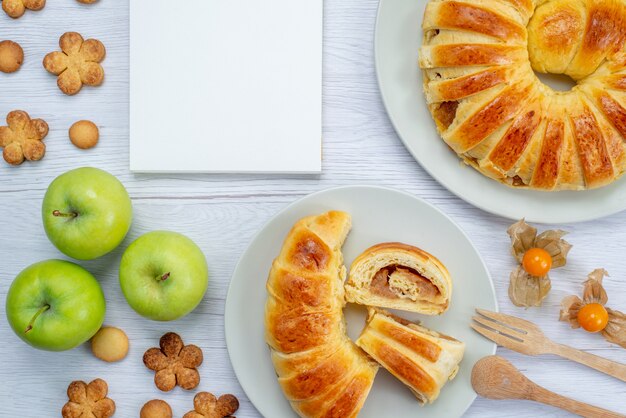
(378, 215)
(397, 43)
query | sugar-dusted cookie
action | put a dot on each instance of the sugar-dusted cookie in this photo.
(77, 63)
(17, 8)
(207, 405)
(22, 138)
(88, 400)
(174, 363)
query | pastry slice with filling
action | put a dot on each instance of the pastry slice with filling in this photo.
(422, 359)
(399, 276)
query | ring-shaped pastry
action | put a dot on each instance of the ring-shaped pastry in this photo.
(478, 59)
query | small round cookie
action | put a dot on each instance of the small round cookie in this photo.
(11, 56)
(156, 408)
(110, 344)
(87, 1)
(84, 134)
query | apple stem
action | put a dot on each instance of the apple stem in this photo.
(164, 277)
(32, 321)
(64, 215)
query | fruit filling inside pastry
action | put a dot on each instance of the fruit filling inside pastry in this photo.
(445, 113)
(399, 276)
(422, 359)
(402, 282)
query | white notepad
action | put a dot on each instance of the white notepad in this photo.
(226, 86)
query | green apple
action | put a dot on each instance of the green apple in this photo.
(86, 213)
(163, 275)
(55, 305)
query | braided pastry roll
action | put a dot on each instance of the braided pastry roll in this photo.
(321, 372)
(478, 58)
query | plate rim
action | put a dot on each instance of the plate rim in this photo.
(227, 311)
(598, 214)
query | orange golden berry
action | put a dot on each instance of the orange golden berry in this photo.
(593, 317)
(537, 262)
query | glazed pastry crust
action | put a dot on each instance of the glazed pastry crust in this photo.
(422, 359)
(321, 372)
(413, 280)
(478, 59)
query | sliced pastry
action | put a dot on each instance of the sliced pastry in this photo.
(422, 359)
(322, 373)
(479, 59)
(399, 276)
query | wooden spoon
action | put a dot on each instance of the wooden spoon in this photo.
(495, 378)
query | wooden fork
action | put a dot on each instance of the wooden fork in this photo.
(527, 338)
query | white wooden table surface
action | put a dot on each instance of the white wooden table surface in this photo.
(222, 213)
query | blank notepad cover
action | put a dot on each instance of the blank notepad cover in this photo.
(226, 86)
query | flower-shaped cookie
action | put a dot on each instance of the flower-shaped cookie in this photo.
(21, 139)
(174, 363)
(574, 310)
(77, 63)
(16, 8)
(537, 254)
(206, 405)
(88, 400)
